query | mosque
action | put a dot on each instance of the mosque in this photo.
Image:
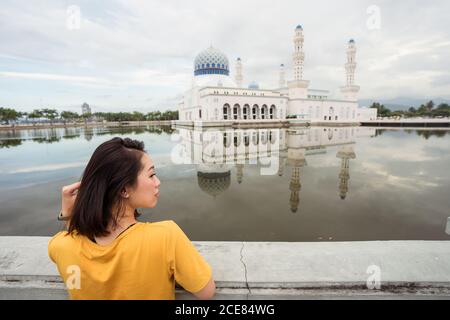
(216, 99)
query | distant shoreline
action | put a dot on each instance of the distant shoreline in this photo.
(82, 124)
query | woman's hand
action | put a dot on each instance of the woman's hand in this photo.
(68, 196)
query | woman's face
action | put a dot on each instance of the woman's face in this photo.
(146, 192)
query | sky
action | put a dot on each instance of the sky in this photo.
(127, 55)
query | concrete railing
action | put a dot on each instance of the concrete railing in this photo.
(267, 270)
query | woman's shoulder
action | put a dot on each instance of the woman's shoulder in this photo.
(61, 238)
(59, 241)
(166, 225)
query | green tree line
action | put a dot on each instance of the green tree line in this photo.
(9, 114)
(428, 109)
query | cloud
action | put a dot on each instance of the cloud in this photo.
(145, 49)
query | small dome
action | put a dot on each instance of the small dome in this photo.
(211, 61)
(238, 59)
(253, 85)
(299, 27)
(282, 65)
(351, 41)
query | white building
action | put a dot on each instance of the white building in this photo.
(217, 98)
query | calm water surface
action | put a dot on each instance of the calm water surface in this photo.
(313, 184)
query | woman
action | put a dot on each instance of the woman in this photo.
(105, 253)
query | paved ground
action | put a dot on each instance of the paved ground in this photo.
(275, 270)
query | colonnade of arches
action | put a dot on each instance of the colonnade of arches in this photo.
(253, 137)
(247, 112)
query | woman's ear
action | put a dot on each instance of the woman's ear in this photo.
(125, 193)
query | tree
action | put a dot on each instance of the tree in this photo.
(429, 105)
(442, 110)
(8, 114)
(86, 116)
(69, 115)
(422, 110)
(138, 116)
(50, 114)
(35, 114)
(381, 109)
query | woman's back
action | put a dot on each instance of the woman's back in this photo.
(143, 262)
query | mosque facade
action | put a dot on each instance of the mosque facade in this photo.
(217, 98)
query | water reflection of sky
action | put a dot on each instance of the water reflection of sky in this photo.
(331, 184)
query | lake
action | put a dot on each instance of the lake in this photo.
(302, 184)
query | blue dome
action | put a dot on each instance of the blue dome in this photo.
(299, 27)
(253, 85)
(211, 61)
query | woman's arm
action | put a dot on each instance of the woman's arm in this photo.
(207, 292)
(68, 196)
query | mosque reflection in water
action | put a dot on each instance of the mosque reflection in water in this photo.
(275, 151)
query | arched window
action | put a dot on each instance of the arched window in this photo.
(272, 112)
(235, 111)
(237, 139)
(226, 112)
(246, 112)
(246, 139)
(255, 138)
(263, 135)
(213, 65)
(255, 111)
(264, 112)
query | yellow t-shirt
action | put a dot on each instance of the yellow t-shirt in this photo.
(141, 263)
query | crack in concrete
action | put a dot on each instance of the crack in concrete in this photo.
(245, 271)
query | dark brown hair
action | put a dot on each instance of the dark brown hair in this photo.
(114, 165)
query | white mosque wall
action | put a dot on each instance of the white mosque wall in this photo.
(241, 104)
(243, 146)
(366, 114)
(324, 111)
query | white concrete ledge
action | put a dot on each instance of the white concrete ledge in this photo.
(260, 270)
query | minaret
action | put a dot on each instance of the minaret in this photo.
(238, 76)
(299, 56)
(239, 172)
(298, 88)
(350, 90)
(281, 164)
(282, 80)
(350, 66)
(295, 187)
(345, 153)
(295, 159)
